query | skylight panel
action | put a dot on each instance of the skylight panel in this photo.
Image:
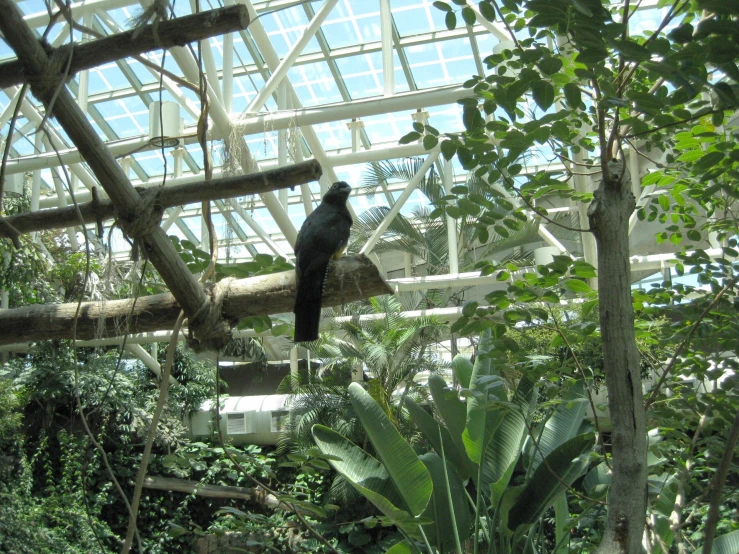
(5, 51)
(314, 84)
(285, 27)
(362, 74)
(333, 135)
(352, 23)
(441, 63)
(413, 17)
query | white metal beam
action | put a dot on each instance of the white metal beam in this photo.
(386, 33)
(281, 70)
(395, 210)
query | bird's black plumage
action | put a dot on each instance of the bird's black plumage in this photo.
(323, 237)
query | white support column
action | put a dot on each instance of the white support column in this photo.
(36, 183)
(62, 203)
(282, 139)
(261, 233)
(551, 240)
(172, 217)
(406, 194)
(451, 223)
(294, 362)
(386, 33)
(7, 113)
(148, 360)
(222, 125)
(279, 73)
(228, 67)
(355, 126)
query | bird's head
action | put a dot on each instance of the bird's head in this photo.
(338, 193)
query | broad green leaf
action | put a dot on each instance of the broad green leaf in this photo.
(597, 481)
(725, 544)
(448, 148)
(576, 285)
(430, 141)
(708, 161)
(462, 367)
(632, 51)
(362, 471)
(436, 434)
(487, 10)
(550, 65)
(469, 16)
(410, 137)
(407, 472)
(487, 386)
(504, 447)
(453, 412)
(543, 93)
(440, 533)
(450, 20)
(572, 95)
(401, 547)
(561, 426)
(553, 476)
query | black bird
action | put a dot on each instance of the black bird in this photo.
(322, 238)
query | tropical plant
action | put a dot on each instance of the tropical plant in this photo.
(667, 95)
(484, 439)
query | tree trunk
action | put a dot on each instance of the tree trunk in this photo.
(609, 213)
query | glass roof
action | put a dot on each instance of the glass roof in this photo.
(342, 62)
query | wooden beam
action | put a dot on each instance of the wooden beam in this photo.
(216, 491)
(349, 279)
(46, 84)
(167, 197)
(174, 32)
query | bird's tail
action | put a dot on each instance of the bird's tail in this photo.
(308, 306)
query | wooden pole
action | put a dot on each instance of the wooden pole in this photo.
(45, 77)
(166, 34)
(349, 279)
(167, 197)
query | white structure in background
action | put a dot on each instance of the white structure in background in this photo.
(244, 419)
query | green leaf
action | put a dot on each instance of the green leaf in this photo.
(664, 202)
(575, 285)
(543, 93)
(437, 435)
(440, 532)
(401, 547)
(725, 544)
(486, 385)
(632, 51)
(560, 427)
(450, 20)
(410, 137)
(453, 412)
(448, 148)
(430, 141)
(550, 65)
(406, 471)
(708, 161)
(553, 476)
(504, 447)
(442, 6)
(572, 95)
(487, 10)
(469, 16)
(363, 472)
(468, 310)
(462, 367)
(582, 7)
